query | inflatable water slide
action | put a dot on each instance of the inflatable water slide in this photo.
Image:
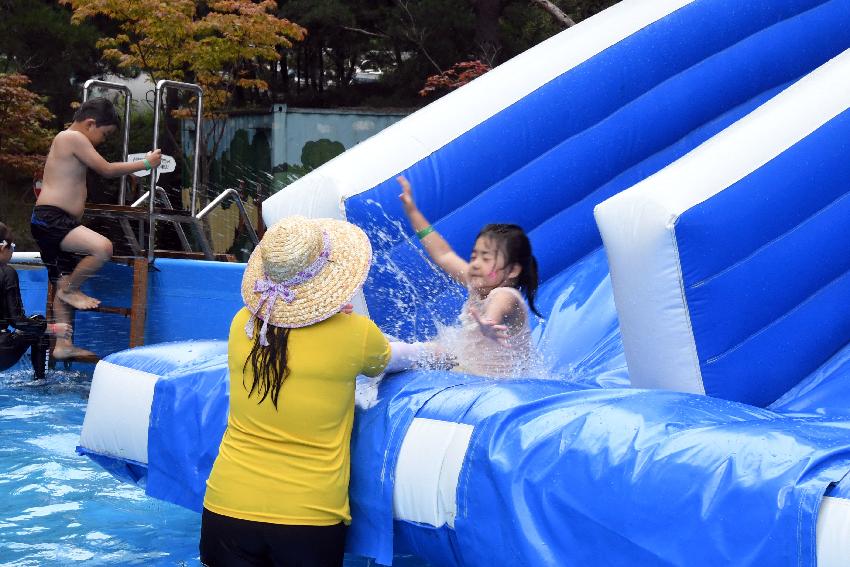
(681, 168)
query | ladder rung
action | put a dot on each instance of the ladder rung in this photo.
(125, 311)
(181, 255)
(92, 358)
(137, 313)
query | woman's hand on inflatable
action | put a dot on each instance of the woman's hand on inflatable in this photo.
(439, 358)
(348, 309)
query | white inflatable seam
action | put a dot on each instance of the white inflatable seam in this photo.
(119, 395)
(686, 312)
(427, 471)
(833, 525)
(773, 241)
(778, 320)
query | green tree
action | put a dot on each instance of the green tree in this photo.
(221, 45)
(24, 142)
(24, 135)
(314, 154)
(37, 39)
(410, 40)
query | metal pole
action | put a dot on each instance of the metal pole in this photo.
(161, 86)
(216, 201)
(128, 98)
(122, 191)
(142, 198)
(198, 122)
(157, 104)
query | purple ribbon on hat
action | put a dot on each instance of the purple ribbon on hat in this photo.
(270, 290)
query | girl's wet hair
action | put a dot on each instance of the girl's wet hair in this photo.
(512, 240)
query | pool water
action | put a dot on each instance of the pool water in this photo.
(58, 508)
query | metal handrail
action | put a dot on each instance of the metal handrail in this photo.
(163, 194)
(161, 86)
(144, 197)
(141, 199)
(128, 99)
(252, 234)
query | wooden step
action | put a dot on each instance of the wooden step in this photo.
(181, 255)
(125, 311)
(175, 254)
(90, 358)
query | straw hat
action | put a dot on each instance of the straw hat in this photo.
(304, 271)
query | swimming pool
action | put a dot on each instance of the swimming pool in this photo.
(59, 508)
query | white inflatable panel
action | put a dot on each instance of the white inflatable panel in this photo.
(833, 532)
(26, 258)
(427, 471)
(638, 225)
(118, 412)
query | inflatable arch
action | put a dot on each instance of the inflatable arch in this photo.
(708, 137)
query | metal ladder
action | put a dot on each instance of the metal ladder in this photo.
(141, 260)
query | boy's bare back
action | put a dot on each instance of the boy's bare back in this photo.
(72, 152)
(64, 183)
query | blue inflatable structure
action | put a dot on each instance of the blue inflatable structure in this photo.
(696, 407)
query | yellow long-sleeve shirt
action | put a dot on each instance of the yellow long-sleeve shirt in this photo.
(290, 465)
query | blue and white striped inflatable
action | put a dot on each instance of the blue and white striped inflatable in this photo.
(697, 413)
(740, 274)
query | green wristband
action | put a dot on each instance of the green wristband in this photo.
(148, 165)
(420, 234)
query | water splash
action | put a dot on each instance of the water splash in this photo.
(417, 293)
(414, 281)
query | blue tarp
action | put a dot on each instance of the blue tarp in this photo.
(555, 469)
(555, 473)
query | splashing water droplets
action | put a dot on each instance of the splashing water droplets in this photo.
(422, 301)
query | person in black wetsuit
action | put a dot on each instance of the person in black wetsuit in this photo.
(17, 331)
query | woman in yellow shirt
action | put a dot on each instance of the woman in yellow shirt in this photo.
(278, 491)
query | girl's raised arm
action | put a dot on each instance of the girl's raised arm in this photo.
(436, 246)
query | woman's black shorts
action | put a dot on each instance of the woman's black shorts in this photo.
(231, 542)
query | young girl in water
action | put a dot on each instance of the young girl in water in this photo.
(494, 336)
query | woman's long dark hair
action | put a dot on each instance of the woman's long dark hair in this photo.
(517, 248)
(268, 363)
